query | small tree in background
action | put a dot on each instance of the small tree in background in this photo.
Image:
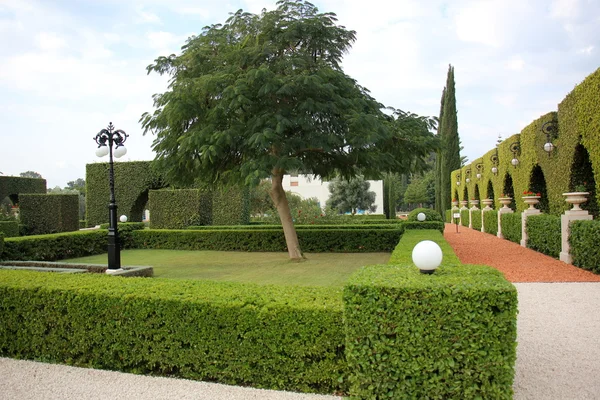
(416, 192)
(30, 174)
(351, 195)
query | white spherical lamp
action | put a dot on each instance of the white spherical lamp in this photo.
(515, 162)
(427, 256)
(468, 180)
(478, 176)
(120, 151)
(123, 218)
(494, 170)
(101, 151)
(548, 147)
(421, 216)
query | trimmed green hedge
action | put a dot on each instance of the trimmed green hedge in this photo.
(54, 247)
(15, 186)
(511, 226)
(316, 241)
(476, 219)
(49, 213)
(449, 216)
(1, 244)
(583, 243)
(277, 337)
(82, 224)
(438, 225)
(490, 222)
(177, 209)
(9, 228)
(430, 215)
(231, 205)
(298, 227)
(450, 335)
(464, 217)
(544, 234)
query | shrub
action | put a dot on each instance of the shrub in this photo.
(9, 228)
(56, 246)
(430, 215)
(277, 337)
(129, 226)
(447, 335)
(311, 240)
(464, 217)
(230, 205)
(544, 234)
(438, 225)
(511, 226)
(476, 219)
(49, 213)
(490, 222)
(583, 243)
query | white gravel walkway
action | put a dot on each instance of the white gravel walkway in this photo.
(558, 358)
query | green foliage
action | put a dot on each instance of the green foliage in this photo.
(12, 186)
(476, 219)
(82, 223)
(49, 213)
(439, 207)
(511, 226)
(402, 254)
(449, 216)
(416, 192)
(490, 222)
(430, 215)
(464, 217)
(438, 225)
(133, 180)
(312, 240)
(1, 244)
(447, 335)
(177, 209)
(583, 244)
(350, 195)
(9, 228)
(544, 234)
(230, 205)
(383, 225)
(56, 246)
(277, 337)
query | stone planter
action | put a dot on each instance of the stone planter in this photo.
(487, 203)
(474, 203)
(532, 201)
(505, 201)
(576, 198)
(455, 203)
(464, 203)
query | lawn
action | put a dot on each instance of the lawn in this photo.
(319, 269)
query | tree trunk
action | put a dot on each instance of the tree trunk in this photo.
(283, 209)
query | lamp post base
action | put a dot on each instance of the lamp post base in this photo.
(114, 271)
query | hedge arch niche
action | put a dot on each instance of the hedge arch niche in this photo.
(133, 180)
(490, 193)
(12, 186)
(465, 194)
(582, 174)
(476, 195)
(509, 191)
(537, 184)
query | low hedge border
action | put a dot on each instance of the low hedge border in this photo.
(544, 234)
(9, 228)
(583, 243)
(490, 222)
(277, 337)
(1, 243)
(298, 227)
(464, 218)
(430, 215)
(447, 335)
(437, 225)
(511, 226)
(57, 246)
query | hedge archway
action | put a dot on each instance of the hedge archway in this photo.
(583, 175)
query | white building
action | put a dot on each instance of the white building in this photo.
(307, 186)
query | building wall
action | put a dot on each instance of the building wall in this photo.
(307, 186)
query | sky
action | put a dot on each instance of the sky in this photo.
(69, 67)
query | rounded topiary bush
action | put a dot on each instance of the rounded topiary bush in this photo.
(430, 215)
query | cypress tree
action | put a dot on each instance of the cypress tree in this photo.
(450, 141)
(438, 160)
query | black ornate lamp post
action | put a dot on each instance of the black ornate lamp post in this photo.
(106, 138)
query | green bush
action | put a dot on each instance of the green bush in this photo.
(464, 216)
(450, 335)
(476, 219)
(402, 254)
(177, 209)
(1, 244)
(9, 228)
(230, 205)
(56, 246)
(132, 226)
(430, 215)
(583, 243)
(315, 240)
(511, 226)
(82, 224)
(49, 213)
(15, 185)
(490, 222)
(438, 225)
(544, 234)
(277, 337)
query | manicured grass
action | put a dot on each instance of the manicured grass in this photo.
(319, 269)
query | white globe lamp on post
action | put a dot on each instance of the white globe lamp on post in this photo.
(427, 256)
(421, 216)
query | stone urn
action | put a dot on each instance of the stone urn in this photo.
(532, 201)
(464, 203)
(454, 203)
(576, 198)
(487, 203)
(474, 203)
(505, 201)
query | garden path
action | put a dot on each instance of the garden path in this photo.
(518, 264)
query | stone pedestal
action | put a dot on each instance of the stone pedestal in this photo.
(565, 220)
(524, 216)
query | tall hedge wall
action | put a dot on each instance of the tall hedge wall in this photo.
(178, 209)
(231, 205)
(578, 119)
(14, 185)
(132, 182)
(49, 213)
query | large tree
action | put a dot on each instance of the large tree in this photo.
(264, 94)
(350, 195)
(438, 160)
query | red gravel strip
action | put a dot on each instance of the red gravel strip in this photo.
(518, 264)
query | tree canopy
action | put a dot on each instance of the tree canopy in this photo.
(264, 94)
(30, 174)
(351, 195)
